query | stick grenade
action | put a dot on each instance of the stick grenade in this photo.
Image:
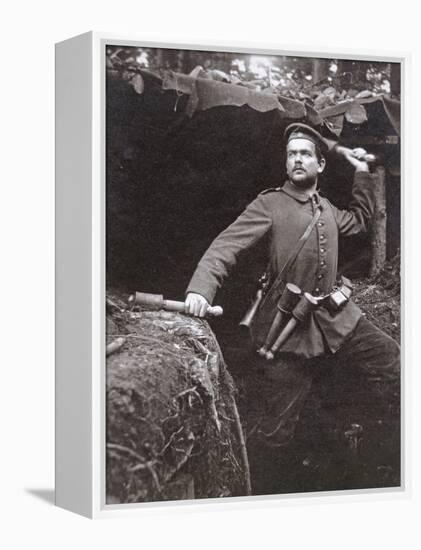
(369, 158)
(287, 302)
(305, 306)
(156, 301)
(247, 320)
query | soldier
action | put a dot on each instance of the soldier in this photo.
(296, 213)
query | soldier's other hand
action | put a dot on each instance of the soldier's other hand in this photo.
(195, 304)
(356, 157)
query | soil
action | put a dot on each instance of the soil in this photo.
(172, 425)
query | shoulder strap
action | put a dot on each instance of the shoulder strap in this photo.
(269, 190)
(296, 250)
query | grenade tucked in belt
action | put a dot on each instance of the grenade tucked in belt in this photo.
(292, 309)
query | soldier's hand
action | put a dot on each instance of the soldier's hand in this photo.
(356, 157)
(195, 304)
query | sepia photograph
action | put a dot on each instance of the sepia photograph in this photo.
(253, 268)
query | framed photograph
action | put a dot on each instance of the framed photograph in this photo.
(228, 274)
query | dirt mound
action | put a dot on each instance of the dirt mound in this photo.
(173, 430)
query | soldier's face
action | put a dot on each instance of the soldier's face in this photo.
(303, 166)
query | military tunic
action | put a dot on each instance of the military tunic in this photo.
(283, 214)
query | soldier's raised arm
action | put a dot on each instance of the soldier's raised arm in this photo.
(357, 217)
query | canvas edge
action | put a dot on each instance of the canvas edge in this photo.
(73, 254)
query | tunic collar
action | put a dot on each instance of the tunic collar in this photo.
(299, 194)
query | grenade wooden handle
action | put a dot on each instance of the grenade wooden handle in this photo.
(246, 321)
(367, 157)
(282, 338)
(156, 301)
(173, 305)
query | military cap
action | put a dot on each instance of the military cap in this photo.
(298, 130)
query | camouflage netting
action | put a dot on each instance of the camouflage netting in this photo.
(173, 430)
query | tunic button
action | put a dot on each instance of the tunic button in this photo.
(320, 276)
(322, 237)
(320, 224)
(317, 290)
(322, 250)
(322, 262)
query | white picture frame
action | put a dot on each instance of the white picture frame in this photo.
(80, 276)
